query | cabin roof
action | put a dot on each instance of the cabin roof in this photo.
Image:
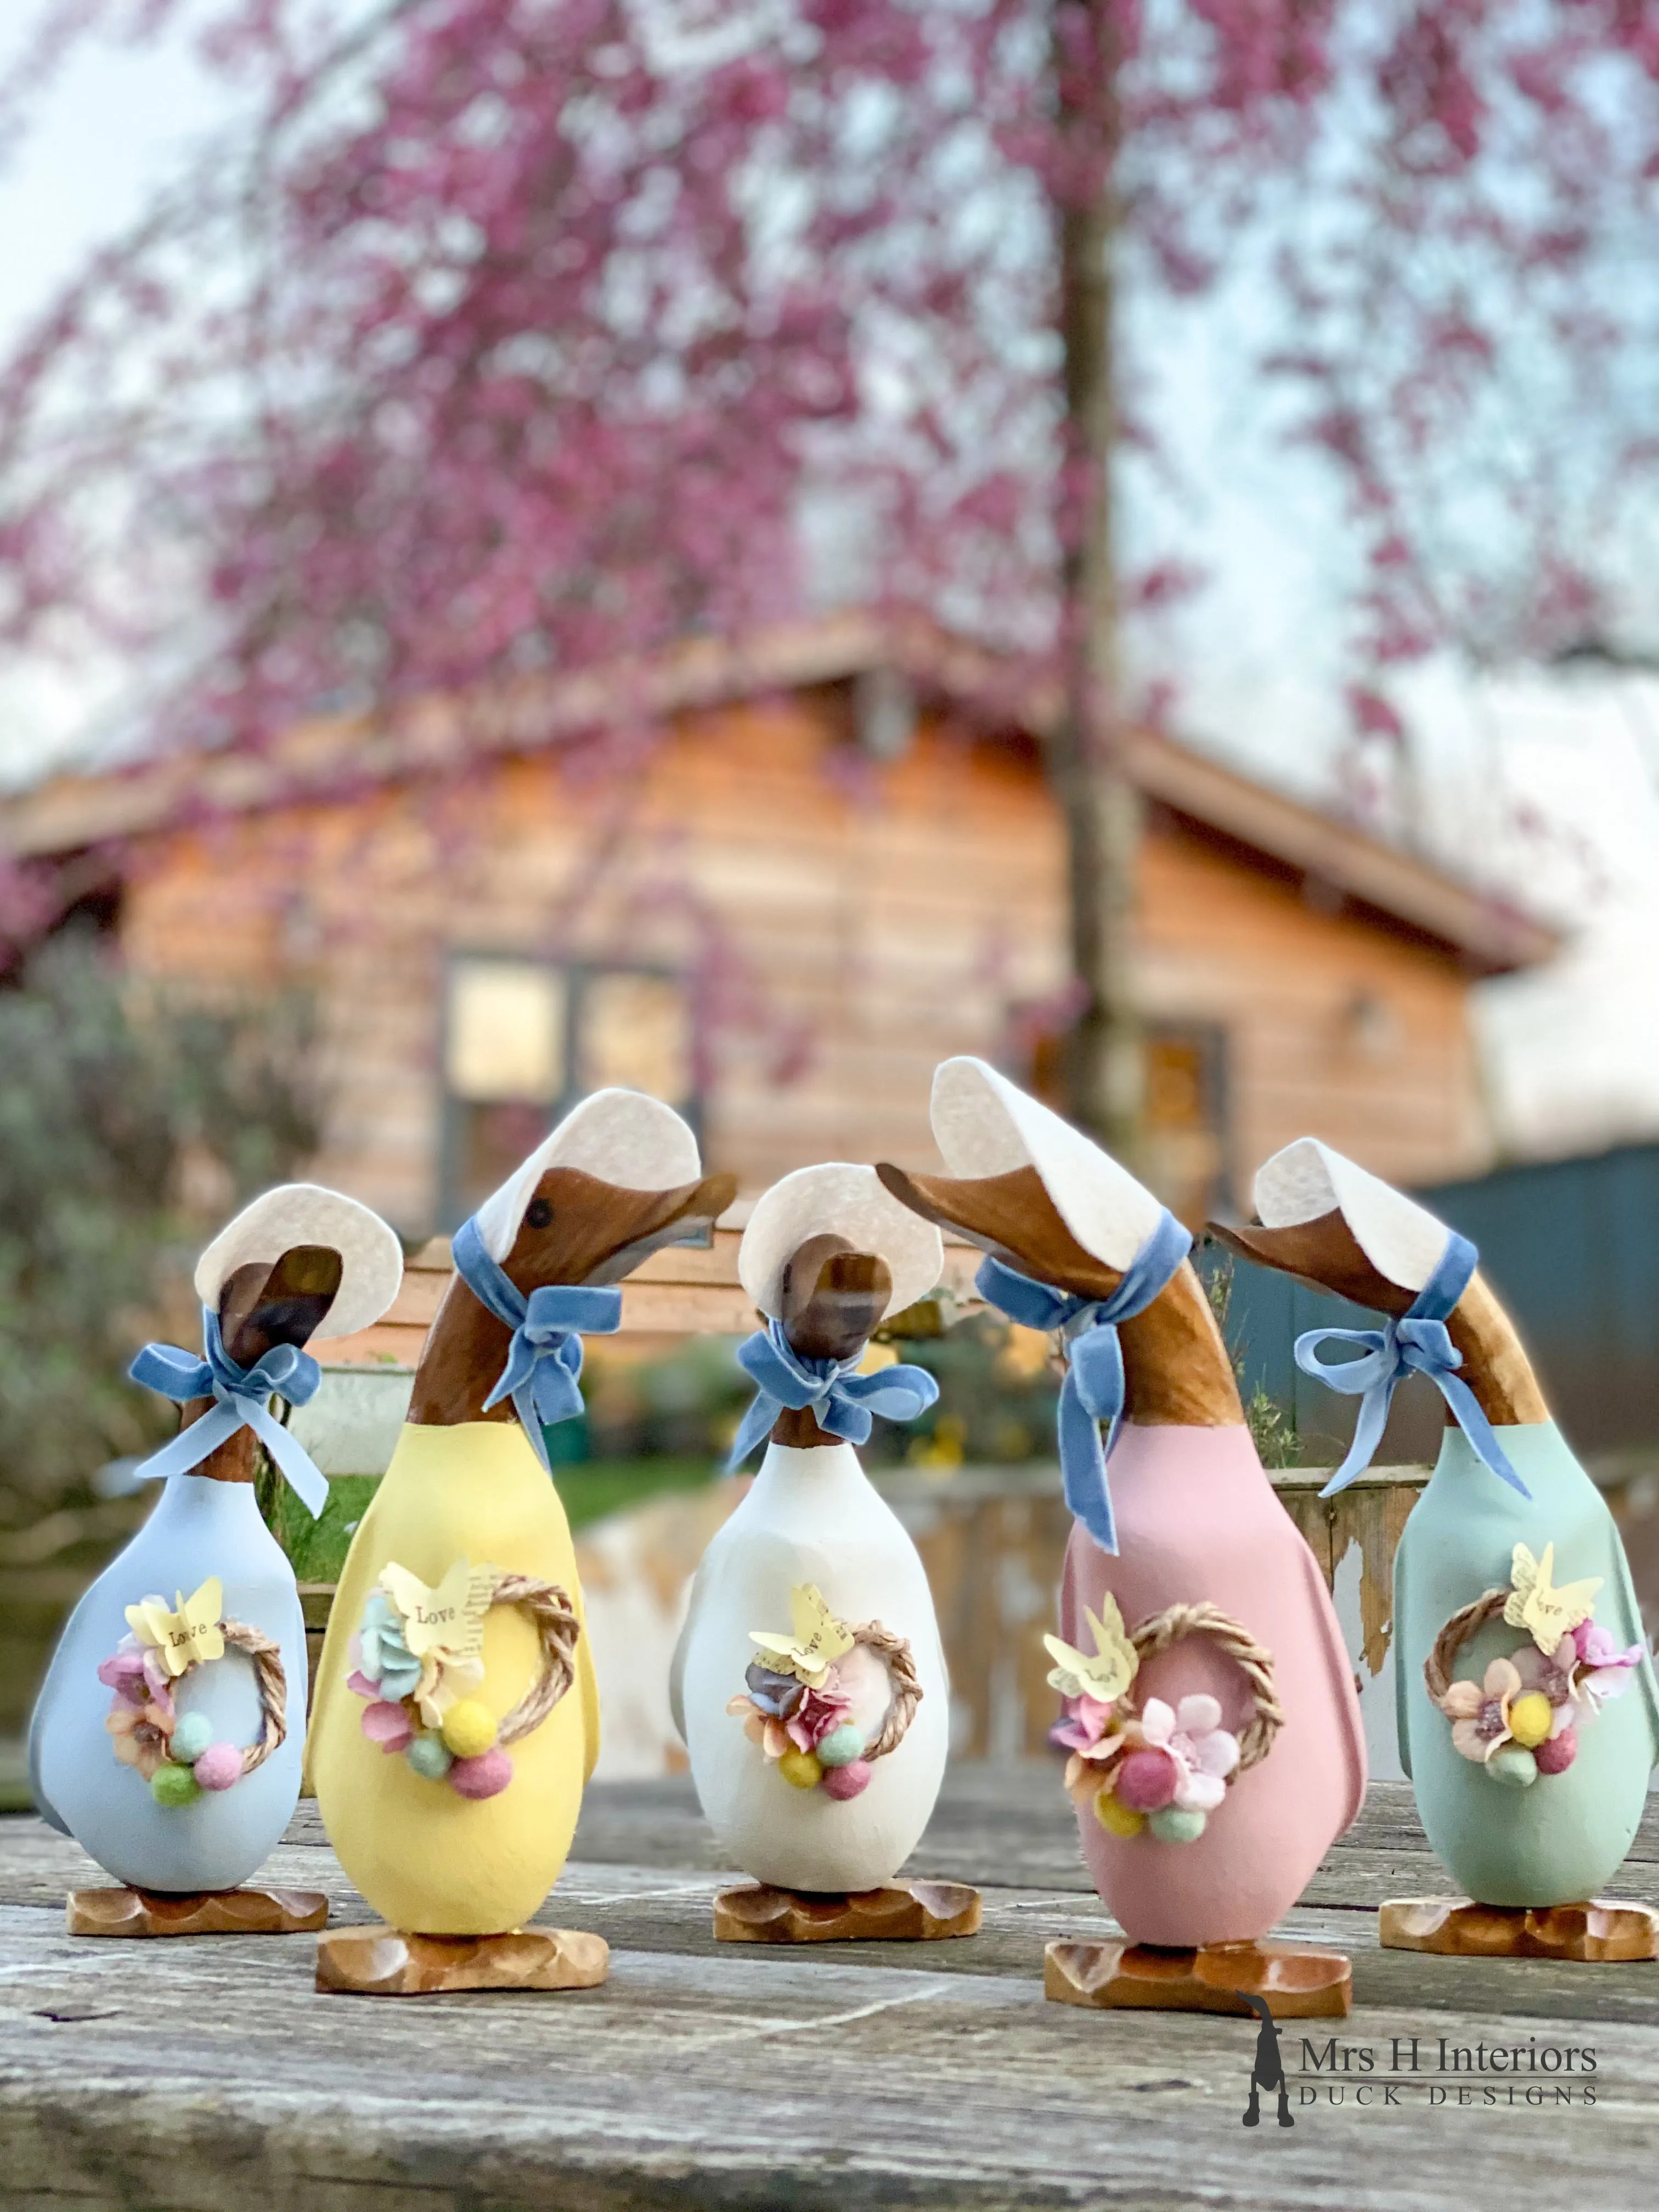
(334, 756)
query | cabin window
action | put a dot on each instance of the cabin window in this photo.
(524, 1039)
(1185, 1105)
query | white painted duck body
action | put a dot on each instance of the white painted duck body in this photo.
(812, 1518)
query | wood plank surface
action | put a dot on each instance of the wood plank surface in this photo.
(139, 2075)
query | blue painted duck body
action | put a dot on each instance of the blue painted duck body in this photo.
(1559, 1841)
(299, 1262)
(200, 1527)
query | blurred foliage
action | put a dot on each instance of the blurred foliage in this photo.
(1271, 1422)
(996, 1403)
(590, 1490)
(129, 1119)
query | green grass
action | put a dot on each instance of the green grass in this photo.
(590, 1489)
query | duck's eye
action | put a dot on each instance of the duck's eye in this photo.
(538, 1212)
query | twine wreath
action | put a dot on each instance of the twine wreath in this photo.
(1254, 1661)
(556, 1631)
(468, 1748)
(907, 1690)
(1443, 1653)
(1521, 1722)
(799, 1711)
(1144, 1764)
(177, 1753)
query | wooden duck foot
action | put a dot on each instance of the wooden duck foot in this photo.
(1601, 1931)
(205, 1913)
(897, 1912)
(384, 1962)
(1297, 1981)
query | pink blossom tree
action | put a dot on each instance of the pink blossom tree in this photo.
(505, 335)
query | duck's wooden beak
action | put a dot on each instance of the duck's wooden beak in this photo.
(1176, 1370)
(832, 1297)
(1011, 1215)
(261, 1306)
(1325, 1253)
(577, 1229)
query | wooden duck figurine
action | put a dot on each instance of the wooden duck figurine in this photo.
(1527, 1715)
(448, 1757)
(809, 1683)
(1215, 1737)
(168, 1736)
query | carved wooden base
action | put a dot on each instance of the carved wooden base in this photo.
(208, 1912)
(384, 1962)
(1297, 1981)
(1601, 1931)
(897, 1912)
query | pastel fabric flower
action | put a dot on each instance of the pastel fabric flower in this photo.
(1551, 1673)
(763, 1728)
(1205, 1753)
(1604, 1670)
(1480, 1712)
(138, 1742)
(777, 1695)
(387, 1660)
(818, 1713)
(1086, 1727)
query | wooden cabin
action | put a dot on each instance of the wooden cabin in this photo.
(776, 884)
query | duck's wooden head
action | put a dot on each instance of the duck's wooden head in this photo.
(1176, 1370)
(576, 1228)
(830, 1299)
(1325, 1253)
(262, 1305)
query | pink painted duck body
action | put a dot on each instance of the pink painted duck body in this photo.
(1197, 1519)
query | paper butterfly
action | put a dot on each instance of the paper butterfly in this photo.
(1535, 1604)
(447, 1623)
(188, 1638)
(818, 1640)
(1109, 1672)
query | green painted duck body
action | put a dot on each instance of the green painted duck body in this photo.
(1560, 1840)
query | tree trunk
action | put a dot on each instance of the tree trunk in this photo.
(1087, 753)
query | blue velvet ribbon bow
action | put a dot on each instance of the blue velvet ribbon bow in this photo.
(1418, 1343)
(1093, 1389)
(241, 1397)
(842, 1402)
(544, 1360)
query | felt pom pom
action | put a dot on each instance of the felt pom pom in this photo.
(218, 1767)
(191, 1738)
(469, 1729)
(1557, 1752)
(1115, 1817)
(174, 1785)
(801, 1768)
(1530, 1718)
(482, 1778)
(388, 1725)
(1516, 1768)
(429, 1758)
(851, 1780)
(1172, 1824)
(842, 1746)
(1147, 1780)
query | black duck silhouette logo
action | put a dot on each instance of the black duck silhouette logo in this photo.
(1266, 2069)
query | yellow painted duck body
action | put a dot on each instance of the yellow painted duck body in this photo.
(469, 1488)
(477, 1492)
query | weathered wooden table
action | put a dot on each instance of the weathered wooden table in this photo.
(208, 2072)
